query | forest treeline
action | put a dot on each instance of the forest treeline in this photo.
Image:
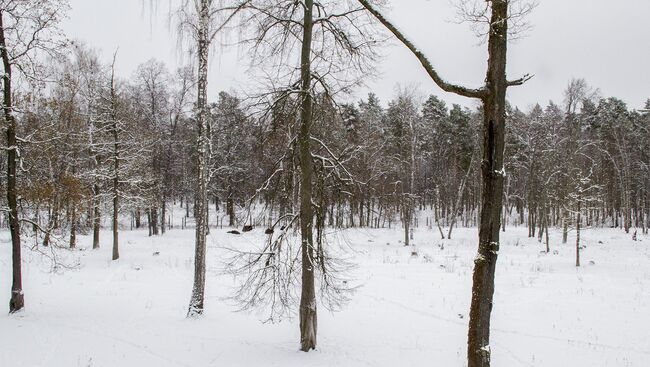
(377, 163)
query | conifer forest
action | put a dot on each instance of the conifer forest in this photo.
(307, 217)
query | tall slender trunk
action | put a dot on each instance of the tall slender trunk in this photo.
(96, 216)
(578, 219)
(116, 167)
(96, 200)
(17, 301)
(201, 198)
(163, 214)
(478, 344)
(565, 226)
(308, 319)
(406, 223)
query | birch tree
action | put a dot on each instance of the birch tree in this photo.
(199, 22)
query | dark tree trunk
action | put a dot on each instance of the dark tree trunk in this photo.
(406, 222)
(308, 319)
(230, 208)
(96, 216)
(138, 221)
(116, 169)
(478, 343)
(578, 219)
(149, 221)
(154, 220)
(565, 226)
(163, 214)
(17, 301)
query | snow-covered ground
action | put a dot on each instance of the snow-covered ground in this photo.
(410, 311)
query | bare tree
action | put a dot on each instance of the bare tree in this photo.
(115, 158)
(493, 97)
(152, 80)
(199, 20)
(26, 28)
(334, 43)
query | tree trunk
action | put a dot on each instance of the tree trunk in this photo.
(96, 216)
(478, 344)
(565, 226)
(163, 214)
(201, 198)
(308, 320)
(436, 215)
(493, 97)
(17, 301)
(406, 224)
(138, 221)
(230, 208)
(154, 220)
(116, 167)
(548, 249)
(578, 219)
(73, 227)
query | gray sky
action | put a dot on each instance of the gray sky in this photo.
(606, 42)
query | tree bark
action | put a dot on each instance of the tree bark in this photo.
(492, 171)
(138, 222)
(201, 198)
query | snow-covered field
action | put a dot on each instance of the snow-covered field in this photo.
(410, 311)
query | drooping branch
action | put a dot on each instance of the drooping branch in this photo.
(479, 93)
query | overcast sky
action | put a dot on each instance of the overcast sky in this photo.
(606, 42)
